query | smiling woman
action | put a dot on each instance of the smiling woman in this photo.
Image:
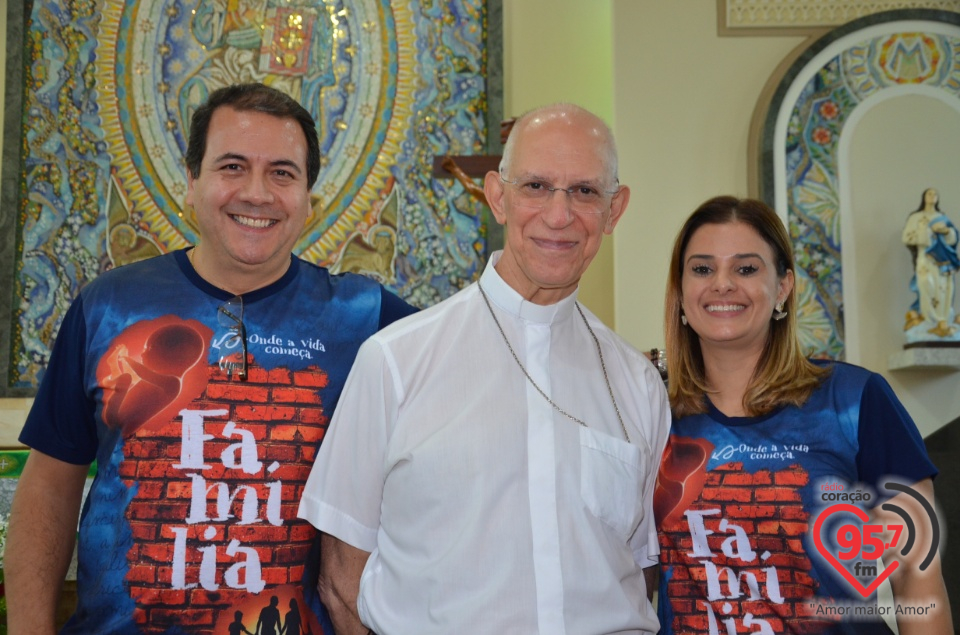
(731, 301)
(757, 431)
(732, 285)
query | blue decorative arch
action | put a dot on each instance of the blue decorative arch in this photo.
(904, 51)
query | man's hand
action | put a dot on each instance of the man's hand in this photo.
(340, 568)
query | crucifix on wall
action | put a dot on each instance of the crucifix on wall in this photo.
(466, 168)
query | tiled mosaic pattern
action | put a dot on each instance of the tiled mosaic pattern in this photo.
(812, 173)
(110, 85)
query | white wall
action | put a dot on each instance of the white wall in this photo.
(560, 50)
(683, 103)
(889, 164)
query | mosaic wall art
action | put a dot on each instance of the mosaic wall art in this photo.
(108, 90)
(812, 174)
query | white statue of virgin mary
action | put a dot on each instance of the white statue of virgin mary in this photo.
(932, 240)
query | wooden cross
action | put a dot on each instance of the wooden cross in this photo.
(465, 168)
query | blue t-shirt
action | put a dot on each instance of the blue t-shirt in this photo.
(737, 499)
(191, 517)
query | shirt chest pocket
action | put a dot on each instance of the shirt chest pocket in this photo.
(611, 480)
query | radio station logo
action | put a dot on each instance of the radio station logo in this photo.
(860, 543)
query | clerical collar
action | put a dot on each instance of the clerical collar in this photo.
(507, 299)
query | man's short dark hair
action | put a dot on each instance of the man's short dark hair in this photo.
(260, 98)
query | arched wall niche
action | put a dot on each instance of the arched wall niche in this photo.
(805, 134)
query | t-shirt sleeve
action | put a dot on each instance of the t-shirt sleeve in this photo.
(392, 308)
(889, 443)
(344, 491)
(61, 422)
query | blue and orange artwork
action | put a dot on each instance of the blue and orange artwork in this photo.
(109, 90)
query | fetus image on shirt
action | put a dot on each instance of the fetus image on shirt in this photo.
(153, 368)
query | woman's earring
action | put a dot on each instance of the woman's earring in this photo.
(683, 319)
(779, 313)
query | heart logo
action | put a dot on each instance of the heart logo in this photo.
(818, 541)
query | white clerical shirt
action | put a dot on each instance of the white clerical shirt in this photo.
(485, 510)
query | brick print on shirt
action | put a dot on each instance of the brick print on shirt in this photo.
(215, 488)
(741, 540)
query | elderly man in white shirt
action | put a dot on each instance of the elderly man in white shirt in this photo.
(490, 466)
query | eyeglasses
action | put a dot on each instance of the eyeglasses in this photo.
(584, 199)
(230, 315)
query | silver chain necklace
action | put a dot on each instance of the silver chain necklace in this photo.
(603, 366)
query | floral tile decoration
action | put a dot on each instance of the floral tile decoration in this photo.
(109, 87)
(813, 134)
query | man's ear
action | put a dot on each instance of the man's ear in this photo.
(617, 207)
(313, 203)
(493, 190)
(188, 199)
